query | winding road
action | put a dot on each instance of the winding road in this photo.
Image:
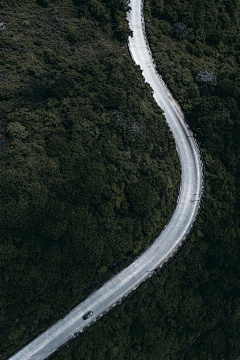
(167, 242)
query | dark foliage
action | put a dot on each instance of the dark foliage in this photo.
(191, 310)
(180, 30)
(104, 126)
(82, 142)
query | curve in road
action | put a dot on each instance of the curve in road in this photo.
(168, 241)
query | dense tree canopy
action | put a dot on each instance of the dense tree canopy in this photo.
(89, 171)
(191, 309)
(77, 113)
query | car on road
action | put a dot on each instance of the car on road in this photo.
(87, 315)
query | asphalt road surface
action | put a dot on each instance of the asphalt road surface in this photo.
(168, 241)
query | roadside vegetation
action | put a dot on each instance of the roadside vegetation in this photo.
(79, 130)
(191, 310)
(89, 170)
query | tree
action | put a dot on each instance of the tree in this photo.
(17, 130)
(180, 30)
(207, 78)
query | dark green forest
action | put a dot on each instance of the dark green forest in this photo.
(83, 144)
(191, 309)
(89, 170)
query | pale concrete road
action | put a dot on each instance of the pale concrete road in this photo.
(169, 239)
